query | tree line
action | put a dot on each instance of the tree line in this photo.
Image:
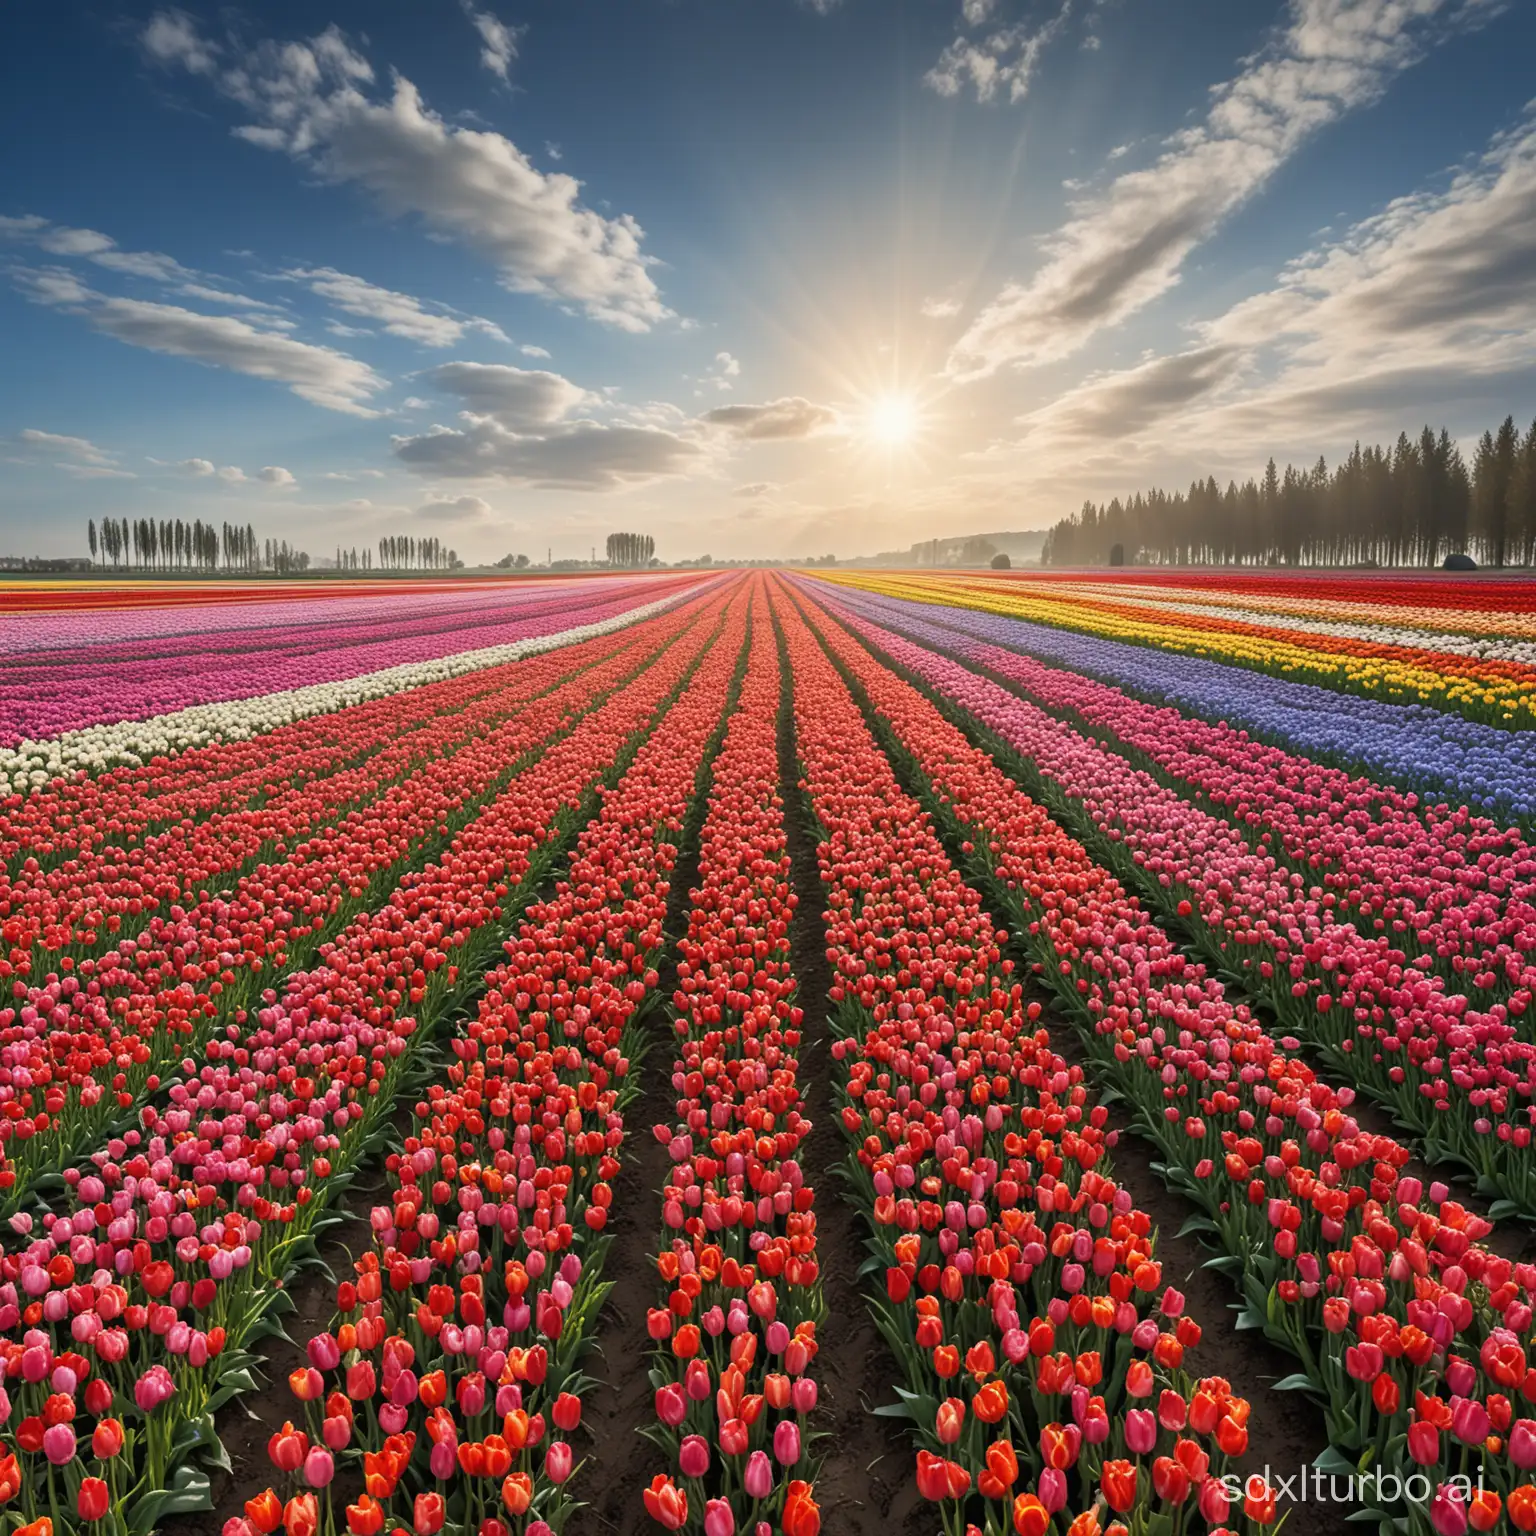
(402, 552)
(170, 544)
(630, 551)
(1412, 503)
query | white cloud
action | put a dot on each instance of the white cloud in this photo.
(91, 245)
(1429, 302)
(96, 472)
(791, 417)
(275, 474)
(498, 41)
(198, 467)
(317, 374)
(1121, 405)
(1123, 249)
(232, 475)
(940, 309)
(753, 490)
(103, 251)
(401, 314)
(724, 371)
(455, 509)
(172, 38)
(223, 296)
(80, 448)
(584, 455)
(522, 399)
(83, 459)
(51, 285)
(532, 351)
(1004, 60)
(309, 101)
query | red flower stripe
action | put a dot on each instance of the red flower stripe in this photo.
(1022, 1296)
(454, 1370)
(739, 1299)
(1460, 1078)
(134, 1302)
(1417, 1337)
(82, 1049)
(89, 854)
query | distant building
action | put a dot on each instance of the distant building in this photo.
(60, 564)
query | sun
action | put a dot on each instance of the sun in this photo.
(893, 419)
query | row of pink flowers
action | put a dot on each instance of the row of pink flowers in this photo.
(1456, 891)
(122, 852)
(49, 692)
(1416, 1337)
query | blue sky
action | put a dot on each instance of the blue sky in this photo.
(755, 276)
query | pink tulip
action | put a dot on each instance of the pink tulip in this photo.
(693, 1456)
(758, 1477)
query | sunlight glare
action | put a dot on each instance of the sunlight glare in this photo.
(893, 419)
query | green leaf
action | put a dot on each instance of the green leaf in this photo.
(1334, 1463)
(1300, 1382)
(232, 1384)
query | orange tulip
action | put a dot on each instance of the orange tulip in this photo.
(802, 1515)
(990, 1405)
(1030, 1516)
(1118, 1482)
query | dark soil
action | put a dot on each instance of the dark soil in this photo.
(1286, 1431)
(866, 1485)
(620, 1462)
(248, 1423)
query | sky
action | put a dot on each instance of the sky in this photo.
(760, 278)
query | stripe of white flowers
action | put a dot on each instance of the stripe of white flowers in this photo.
(33, 763)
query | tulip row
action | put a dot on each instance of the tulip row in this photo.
(1502, 693)
(72, 618)
(55, 691)
(139, 1299)
(1415, 1336)
(1022, 1295)
(1460, 887)
(28, 765)
(1507, 616)
(1461, 1080)
(1470, 597)
(453, 1372)
(71, 894)
(82, 1051)
(739, 1295)
(1413, 746)
(1339, 621)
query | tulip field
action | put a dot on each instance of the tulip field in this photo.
(929, 1053)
